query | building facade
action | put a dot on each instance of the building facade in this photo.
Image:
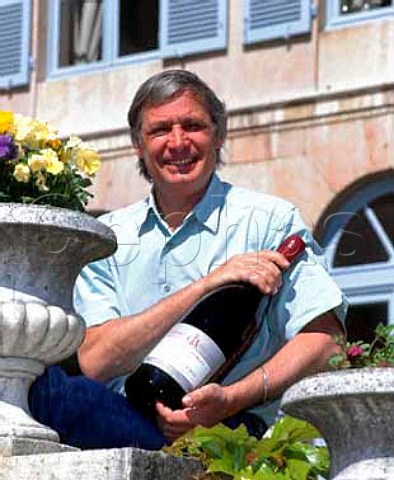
(309, 86)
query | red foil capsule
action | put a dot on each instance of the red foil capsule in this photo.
(292, 247)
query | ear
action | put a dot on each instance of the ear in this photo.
(138, 150)
(218, 144)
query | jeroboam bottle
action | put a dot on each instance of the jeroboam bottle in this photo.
(204, 346)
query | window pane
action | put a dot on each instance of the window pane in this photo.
(359, 244)
(139, 25)
(384, 210)
(81, 28)
(362, 320)
(352, 6)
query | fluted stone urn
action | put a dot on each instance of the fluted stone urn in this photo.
(42, 250)
(353, 409)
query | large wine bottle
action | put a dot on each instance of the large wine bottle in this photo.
(204, 345)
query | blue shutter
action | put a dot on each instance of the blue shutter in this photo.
(275, 19)
(192, 26)
(14, 43)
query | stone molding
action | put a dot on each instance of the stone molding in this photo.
(300, 112)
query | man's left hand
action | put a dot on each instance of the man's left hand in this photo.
(204, 406)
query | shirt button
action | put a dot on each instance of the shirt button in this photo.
(167, 288)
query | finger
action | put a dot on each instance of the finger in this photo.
(172, 418)
(201, 396)
(265, 281)
(163, 410)
(176, 428)
(277, 258)
(266, 256)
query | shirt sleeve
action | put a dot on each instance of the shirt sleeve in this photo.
(308, 291)
(95, 295)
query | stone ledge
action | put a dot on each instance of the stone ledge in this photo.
(113, 464)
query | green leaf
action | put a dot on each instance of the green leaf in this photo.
(213, 447)
(269, 446)
(264, 473)
(292, 429)
(298, 469)
(223, 465)
(318, 457)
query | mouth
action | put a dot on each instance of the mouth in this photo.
(182, 162)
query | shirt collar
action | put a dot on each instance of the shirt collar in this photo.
(147, 215)
(206, 211)
(208, 208)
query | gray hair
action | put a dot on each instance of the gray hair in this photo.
(166, 85)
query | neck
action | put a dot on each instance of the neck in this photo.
(174, 208)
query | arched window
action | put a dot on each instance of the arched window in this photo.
(358, 239)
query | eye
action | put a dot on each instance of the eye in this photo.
(194, 126)
(159, 131)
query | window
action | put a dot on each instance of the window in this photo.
(359, 247)
(15, 17)
(91, 34)
(276, 19)
(347, 12)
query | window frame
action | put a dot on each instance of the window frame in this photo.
(335, 20)
(110, 43)
(362, 284)
(111, 39)
(21, 78)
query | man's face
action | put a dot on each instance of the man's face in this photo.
(178, 145)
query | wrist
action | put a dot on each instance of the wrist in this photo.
(233, 403)
(265, 380)
(209, 283)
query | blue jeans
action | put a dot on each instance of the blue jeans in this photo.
(88, 415)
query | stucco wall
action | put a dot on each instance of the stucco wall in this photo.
(308, 115)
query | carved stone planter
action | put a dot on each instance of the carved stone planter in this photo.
(353, 409)
(42, 250)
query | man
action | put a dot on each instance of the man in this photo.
(193, 234)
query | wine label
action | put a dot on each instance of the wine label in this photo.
(188, 355)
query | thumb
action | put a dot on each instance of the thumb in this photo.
(200, 396)
(188, 401)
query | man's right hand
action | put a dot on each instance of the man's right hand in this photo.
(262, 269)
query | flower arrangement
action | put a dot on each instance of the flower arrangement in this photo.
(378, 353)
(36, 166)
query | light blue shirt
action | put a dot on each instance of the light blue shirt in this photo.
(152, 262)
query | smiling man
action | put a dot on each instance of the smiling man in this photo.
(193, 234)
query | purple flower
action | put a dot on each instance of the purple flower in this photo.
(8, 149)
(354, 351)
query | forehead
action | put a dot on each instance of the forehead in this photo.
(187, 104)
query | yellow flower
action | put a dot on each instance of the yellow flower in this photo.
(22, 173)
(41, 181)
(47, 160)
(72, 142)
(33, 133)
(56, 143)
(52, 163)
(36, 162)
(6, 120)
(87, 160)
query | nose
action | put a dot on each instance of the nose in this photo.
(177, 138)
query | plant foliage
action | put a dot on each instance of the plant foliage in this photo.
(36, 166)
(378, 353)
(285, 453)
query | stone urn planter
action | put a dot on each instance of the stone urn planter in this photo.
(353, 409)
(42, 250)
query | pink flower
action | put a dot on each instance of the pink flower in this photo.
(354, 351)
